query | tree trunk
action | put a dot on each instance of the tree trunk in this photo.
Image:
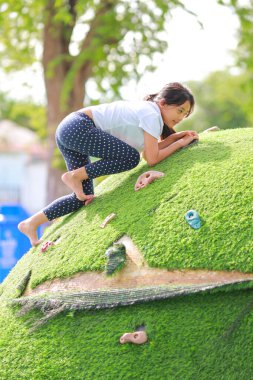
(56, 45)
(55, 187)
(56, 42)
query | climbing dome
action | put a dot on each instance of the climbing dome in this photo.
(64, 310)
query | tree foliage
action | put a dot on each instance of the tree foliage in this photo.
(244, 11)
(24, 113)
(224, 99)
(114, 39)
(110, 41)
(244, 51)
(221, 99)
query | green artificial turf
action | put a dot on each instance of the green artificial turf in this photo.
(205, 336)
(213, 177)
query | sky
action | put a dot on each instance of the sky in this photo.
(193, 53)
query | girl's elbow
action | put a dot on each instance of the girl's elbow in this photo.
(151, 159)
(151, 162)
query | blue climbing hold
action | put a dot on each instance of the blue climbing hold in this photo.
(193, 219)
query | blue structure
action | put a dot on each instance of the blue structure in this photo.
(13, 244)
(193, 219)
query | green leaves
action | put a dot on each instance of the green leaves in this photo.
(243, 53)
(103, 32)
(222, 99)
(24, 113)
(20, 28)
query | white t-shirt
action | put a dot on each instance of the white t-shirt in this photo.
(128, 120)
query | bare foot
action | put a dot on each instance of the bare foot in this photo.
(75, 184)
(146, 178)
(28, 229)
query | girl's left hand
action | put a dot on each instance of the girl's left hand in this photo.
(192, 134)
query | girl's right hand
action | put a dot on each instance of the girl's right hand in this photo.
(191, 133)
(184, 141)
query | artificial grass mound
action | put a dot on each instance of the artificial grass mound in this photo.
(213, 177)
(202, 336)
(198, 336)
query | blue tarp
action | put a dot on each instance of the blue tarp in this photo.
(13, 244)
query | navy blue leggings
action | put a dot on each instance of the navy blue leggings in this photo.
(77, 137)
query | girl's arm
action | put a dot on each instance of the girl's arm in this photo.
(154, 153)
(175, 137)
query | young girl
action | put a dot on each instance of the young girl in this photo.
(115, 132)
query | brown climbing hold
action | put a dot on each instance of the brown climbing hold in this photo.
(146, 178)
(107, 220)
(137, 337)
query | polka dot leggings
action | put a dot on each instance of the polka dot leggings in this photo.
(77, 137)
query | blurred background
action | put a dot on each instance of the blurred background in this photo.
(60, 55)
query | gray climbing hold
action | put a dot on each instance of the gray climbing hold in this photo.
(23, 283)
(116, 258)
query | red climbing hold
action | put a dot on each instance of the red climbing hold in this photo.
(46, 245)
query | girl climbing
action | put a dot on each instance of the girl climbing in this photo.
(116, 133)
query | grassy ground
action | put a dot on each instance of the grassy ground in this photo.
(202, 336)
(214, 177)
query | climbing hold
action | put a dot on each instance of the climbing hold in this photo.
(23, 283)
(212, 129)
(138, 337)
(116, 258)
(107, 220)
(46, 245)
(146, 178)
(193, 219)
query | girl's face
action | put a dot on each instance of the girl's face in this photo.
(172, 114)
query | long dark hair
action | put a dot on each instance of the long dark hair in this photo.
(172, 93)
